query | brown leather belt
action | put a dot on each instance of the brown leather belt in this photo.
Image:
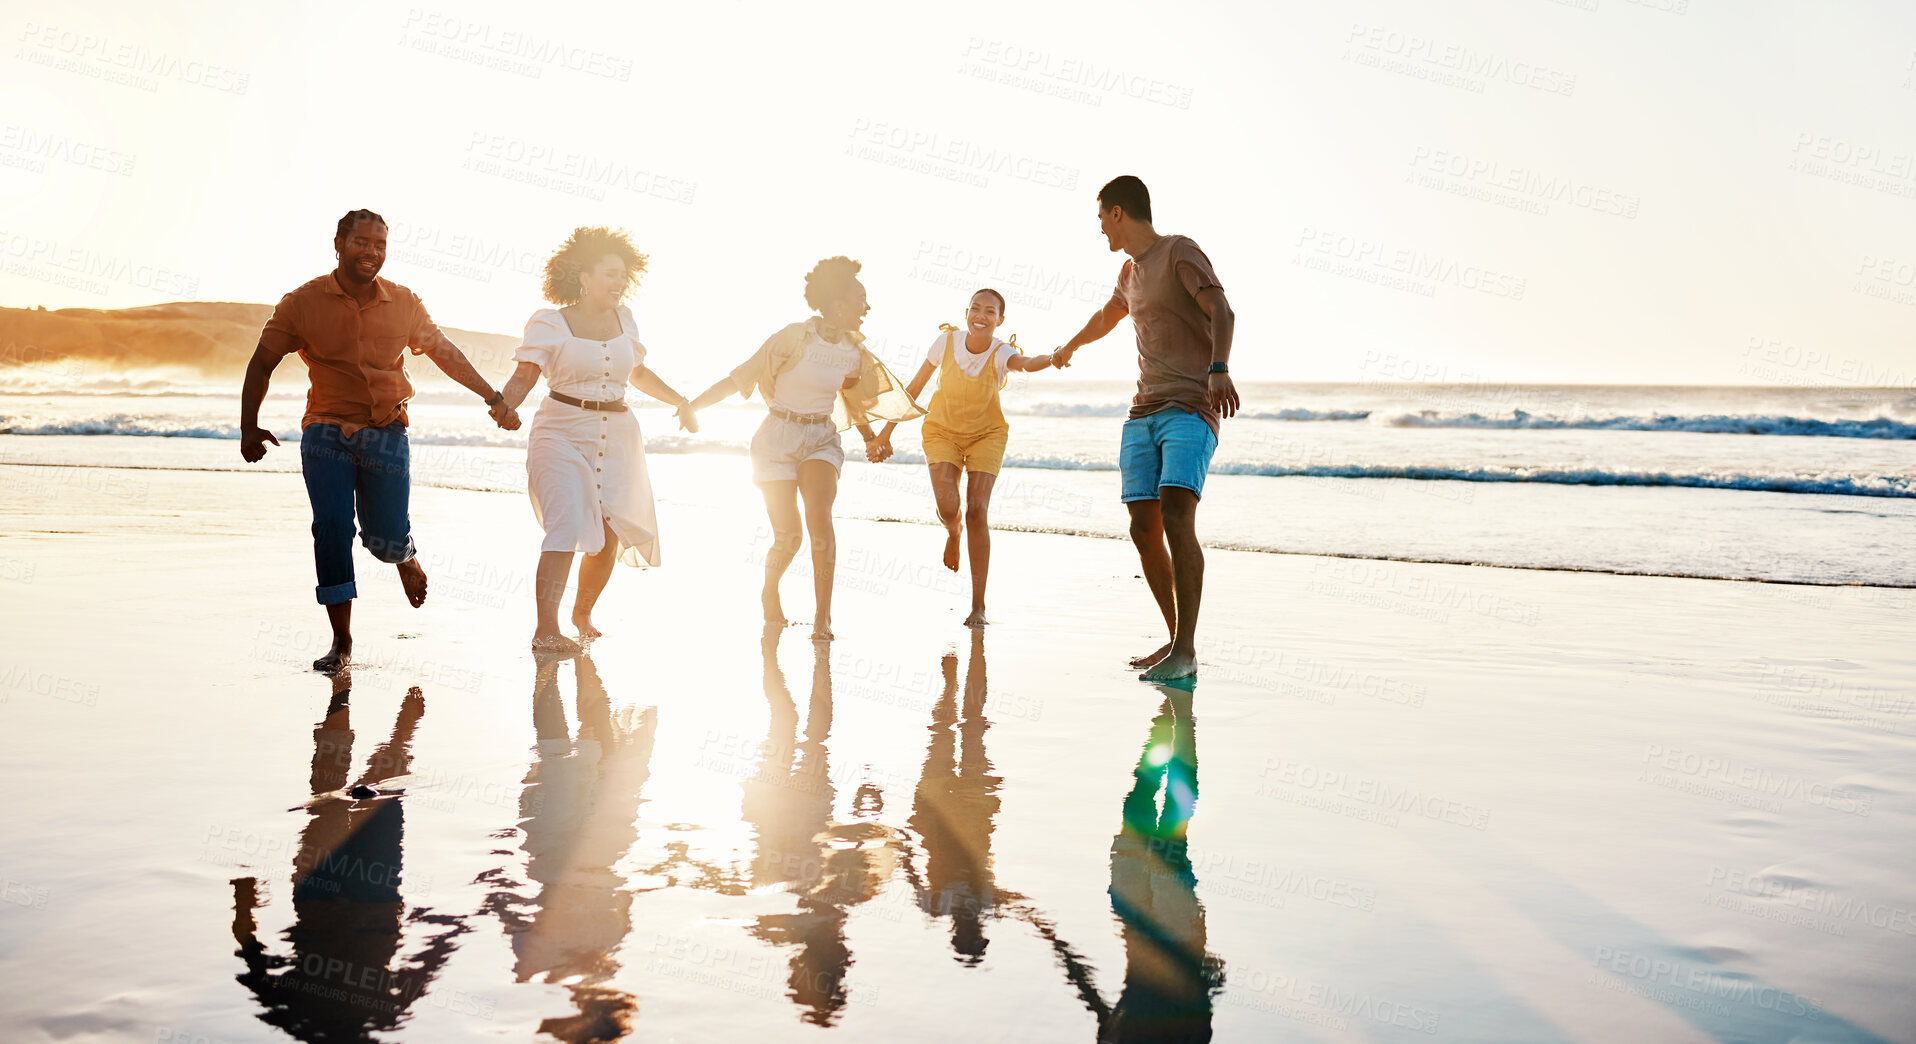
(587, 404)
(801, 418)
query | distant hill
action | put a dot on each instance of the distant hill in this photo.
(213, 337)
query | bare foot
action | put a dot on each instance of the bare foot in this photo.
(951, 548)
(1150, 658)
(582, 622)
(977, 617)
(557, 646)
(338, 659)
(822, 629)
(774, 611)
(1176, 664)
(412, 576)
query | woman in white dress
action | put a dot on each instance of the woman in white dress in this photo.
(585, 458)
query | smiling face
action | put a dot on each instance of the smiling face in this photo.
(362, 252)
(847, 312)
(602, 283)
(984, 315)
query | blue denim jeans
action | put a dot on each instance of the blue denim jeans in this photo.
(373, 468)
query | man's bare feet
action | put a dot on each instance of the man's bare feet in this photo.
(822, 628)
(1176, 664)
(557, 646)
(774, 611)
(337, 659)
(582, 622)
(951, 547)
(1150, 658)
(977, 617)
(412, 576)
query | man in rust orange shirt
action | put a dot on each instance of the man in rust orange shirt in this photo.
(1184, 327)
(352, 329)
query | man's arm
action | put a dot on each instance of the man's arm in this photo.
(1102, 322)
(1223, 322)
(274, 345)
(447, 356)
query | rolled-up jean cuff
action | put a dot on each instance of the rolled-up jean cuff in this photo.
(337, 593)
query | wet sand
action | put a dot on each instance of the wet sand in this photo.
(1401, 802)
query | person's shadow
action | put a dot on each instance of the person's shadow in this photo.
(953, 807)
(341, 980)
(827, 865)
(1169, 977)
(578, 823)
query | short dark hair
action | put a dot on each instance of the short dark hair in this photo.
(354, 217)
(586, 246)
(828, 280)
(1128, 192)
(994, 293)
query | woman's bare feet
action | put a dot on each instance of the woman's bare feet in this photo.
(557, 646)
(951, 547)
(412, 576)
(822, 628)
(338, 659)
(1176, 664)
(977, 617)
(582, 622)
(1138, 662)
(774, 611)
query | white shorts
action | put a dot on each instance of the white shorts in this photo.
(780, 446)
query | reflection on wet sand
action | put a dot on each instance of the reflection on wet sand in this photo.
(952, 810)
(827, 865)
(1169, 978)
(340, 981)
(579, 810)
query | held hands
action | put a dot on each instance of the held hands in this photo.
(504, 416)
(1223, 395)
(1061, 357)
(688, 418)
(877, 449)
(253, 443)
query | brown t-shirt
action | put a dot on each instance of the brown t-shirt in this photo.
(1159, 291)
(354, 355)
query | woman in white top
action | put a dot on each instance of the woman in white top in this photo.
(585, 458)
(818, 379)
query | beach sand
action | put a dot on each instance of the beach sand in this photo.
(1424, 801)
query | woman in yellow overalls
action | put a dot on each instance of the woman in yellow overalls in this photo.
(966, 431)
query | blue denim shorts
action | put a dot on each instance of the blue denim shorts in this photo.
(1166, 448)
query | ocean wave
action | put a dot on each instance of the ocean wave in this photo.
(1838, 484)
(1713, 424)
(1105, 409)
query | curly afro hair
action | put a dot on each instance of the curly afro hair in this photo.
(828, 280)
(586, 247)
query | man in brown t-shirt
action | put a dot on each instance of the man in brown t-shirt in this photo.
(352, 329)
(1184, 328)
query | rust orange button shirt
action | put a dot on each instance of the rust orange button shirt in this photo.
(354, 354)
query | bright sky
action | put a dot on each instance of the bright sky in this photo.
(1644, 191)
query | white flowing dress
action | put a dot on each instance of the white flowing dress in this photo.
(585, 469)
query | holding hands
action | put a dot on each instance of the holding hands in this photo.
(504, 415)
(877, 448)
(688, 418)
(1061, 357)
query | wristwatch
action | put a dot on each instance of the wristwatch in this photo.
(497, 398)
(1218, 367)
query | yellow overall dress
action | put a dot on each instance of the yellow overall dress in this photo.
(964, 425)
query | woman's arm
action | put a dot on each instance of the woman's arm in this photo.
(652, 384)
(524, 376)
(1028, 363)
(918, 382)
